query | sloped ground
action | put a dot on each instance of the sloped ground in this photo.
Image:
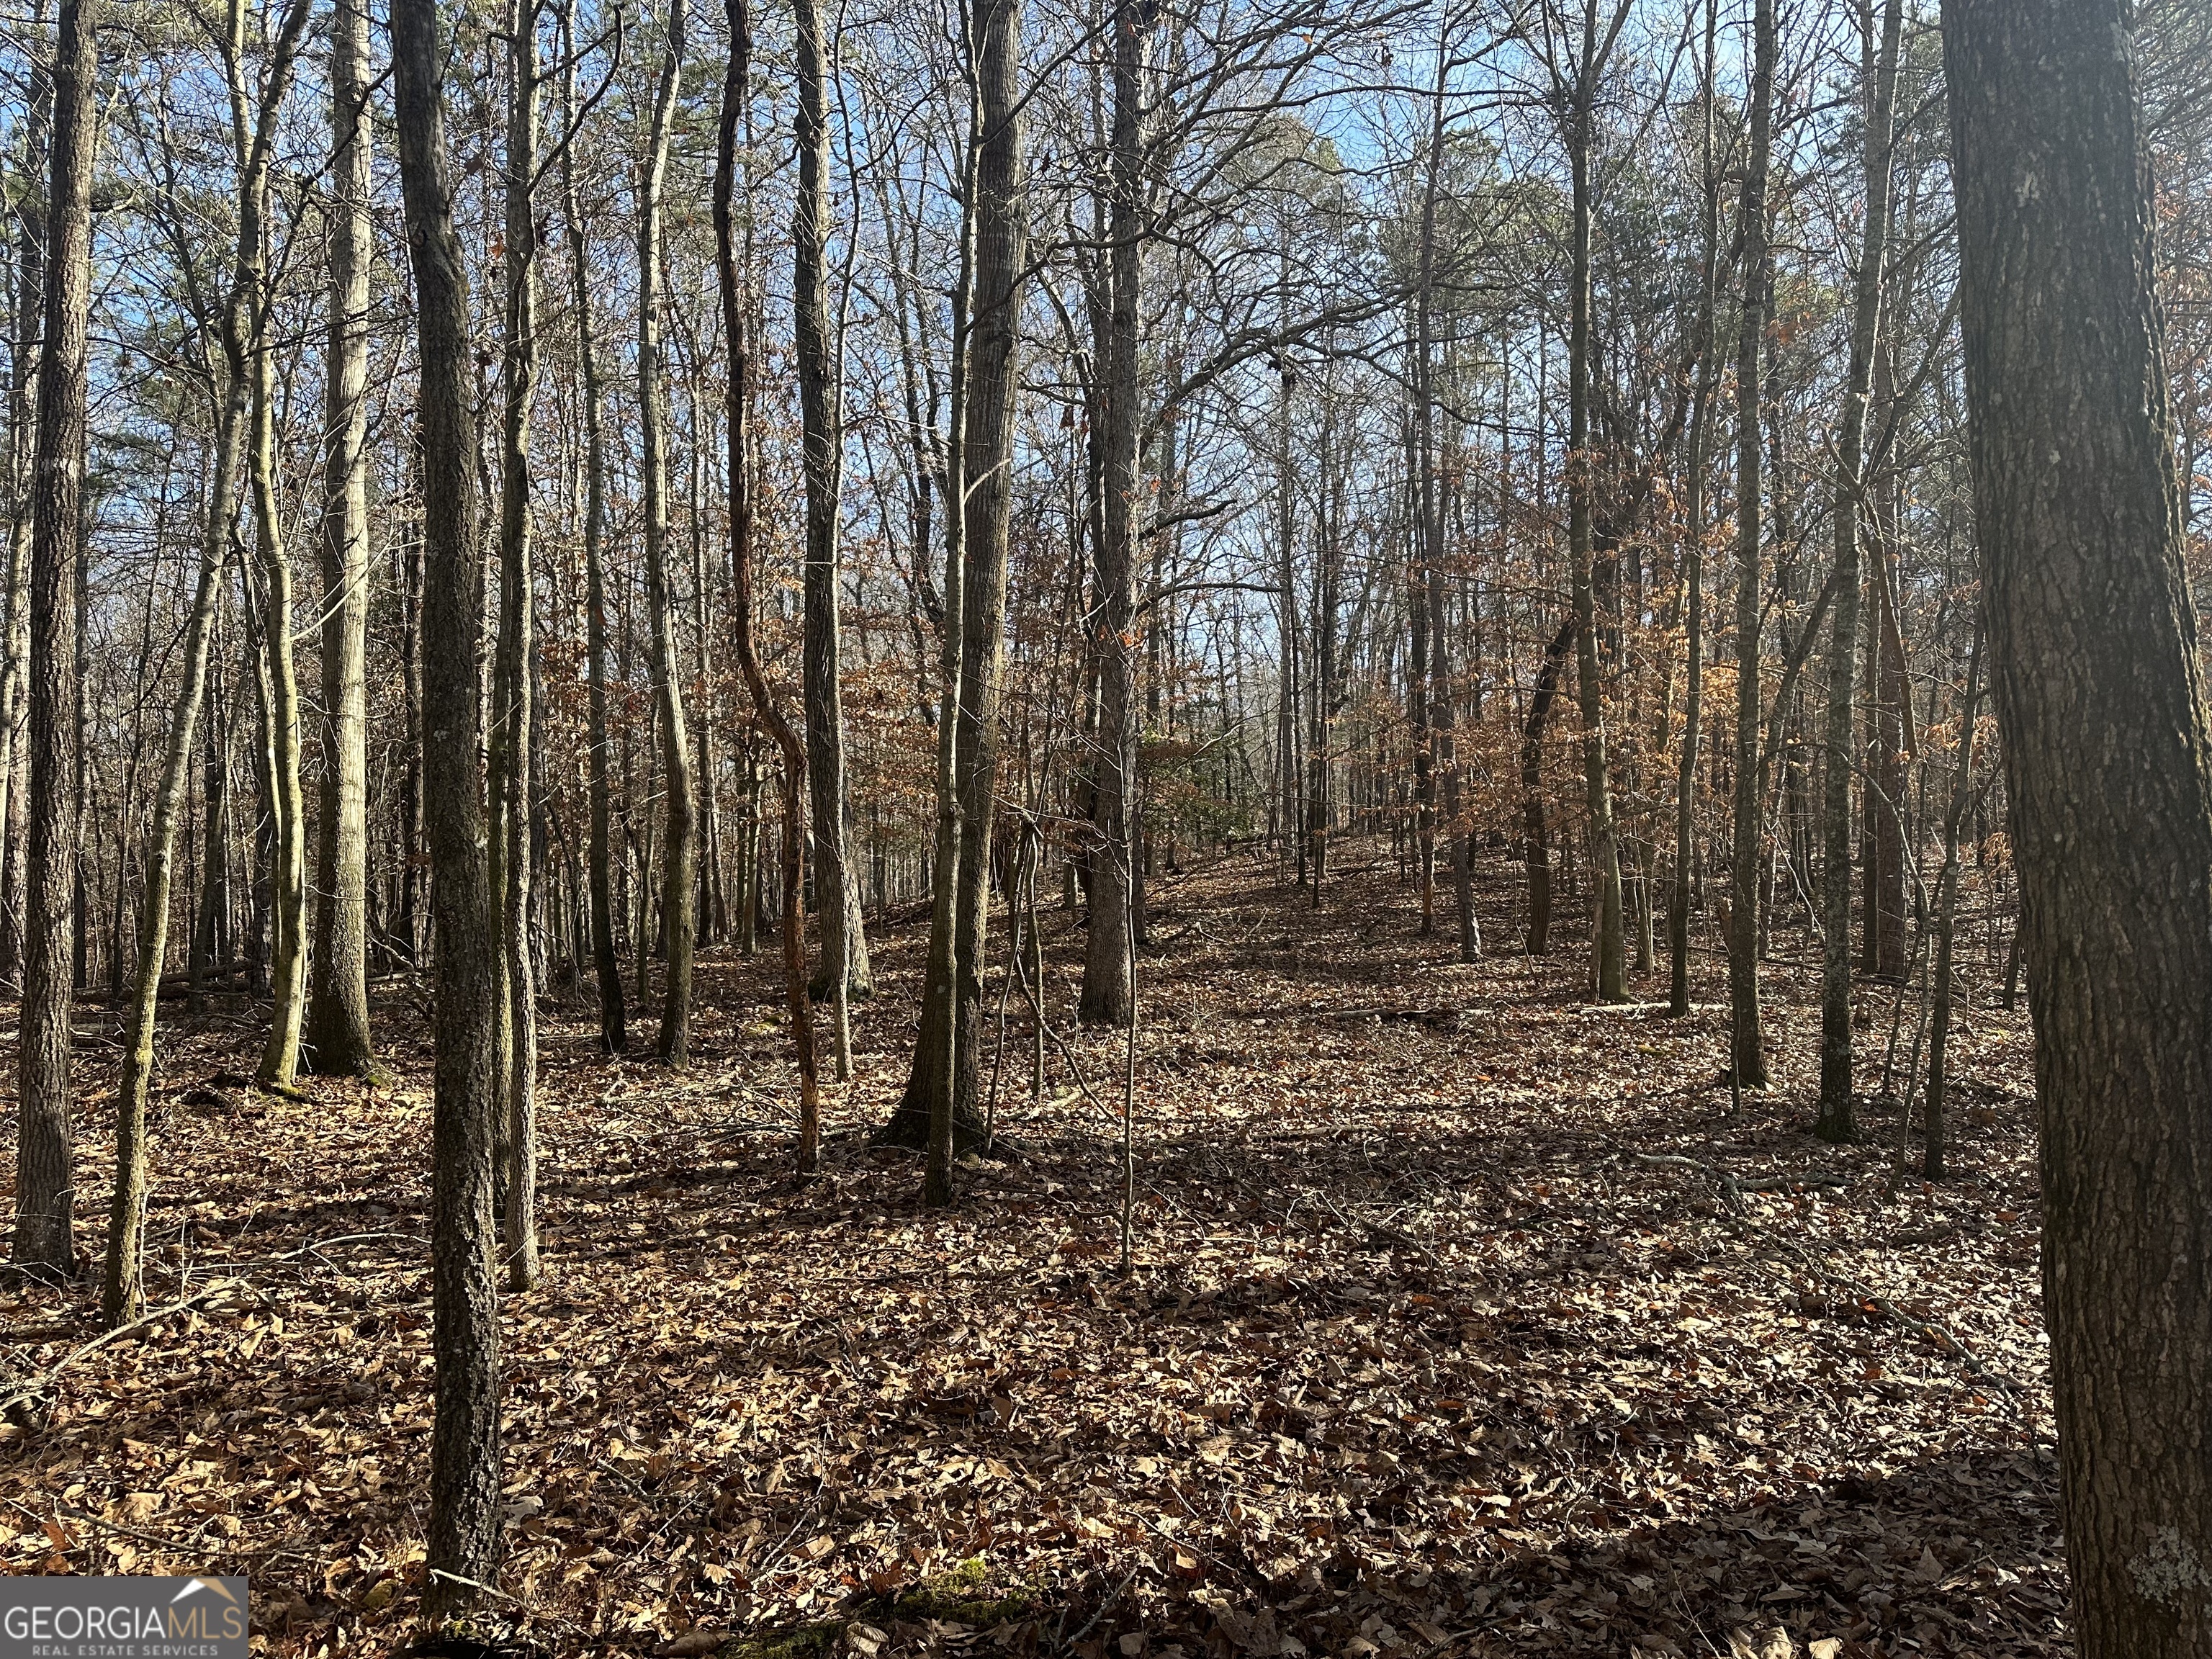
(1449, 1333)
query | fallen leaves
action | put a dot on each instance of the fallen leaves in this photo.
(1421, 1358)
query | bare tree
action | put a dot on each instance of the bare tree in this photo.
(45, 1189)
(1748, 1044)
(464, 1456)
(679, 859)
(606, 966)
(233, 385)
(845, 969)
(337, 1034)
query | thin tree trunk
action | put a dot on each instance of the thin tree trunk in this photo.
(1694, 551)
(1597, 785)
(280, 1055)
(738, 428)
(121, 1295)
(1838, 1119)
(606, 964)
(941, 1096)
(338, 1036)
(27, 318)
(1107, 992)
(1947, 906)
(1748, 1048)
(512, 730)
(844, 941)
(679, 857)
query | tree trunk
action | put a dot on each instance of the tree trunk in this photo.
(28, 312)
(242, 329)
(1838, 1119)
(1106, 999)
(1889, 696)
(513, 732)
(606, 964)
(678, 859)
(1535, 824)
(464, 1543)
(288, 878)
(2108, 762)
(1748, 1048)
(738, 427)
(43, 1185)
(844, 939)
(984, 404)
(1693, 552)
(1605, 848)
(337, 1036)
(1946, 907)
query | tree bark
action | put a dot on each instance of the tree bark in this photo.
(45, 1189)
(1838, 1119)
(738, 428)
(1106, 995)
(844, 939)
(512, 731)
(338, 1036)
(606, 965)
(2108, 762)
(679, 859)
(1605, 848)
(1748, 1047)
(465, 1456)
(985, 407)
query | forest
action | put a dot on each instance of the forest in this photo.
(1158, 828)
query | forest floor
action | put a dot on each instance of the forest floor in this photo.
(1465, 1321)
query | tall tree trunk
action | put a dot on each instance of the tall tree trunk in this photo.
(512, 731)
(1420, 465)
(679, 860)
(241, 328)
(1694, 551)
(337, 1036)
(26, 319)
(287, 875)
(463, 1544)
(2108, 761)
(1748, 1048)
(248, 344)
(844, 939)
(606, 965)
(44, 1150)
(738, 428)
(1597, 785)
(985, 371)
(1107, 992)
(1838, 1119)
